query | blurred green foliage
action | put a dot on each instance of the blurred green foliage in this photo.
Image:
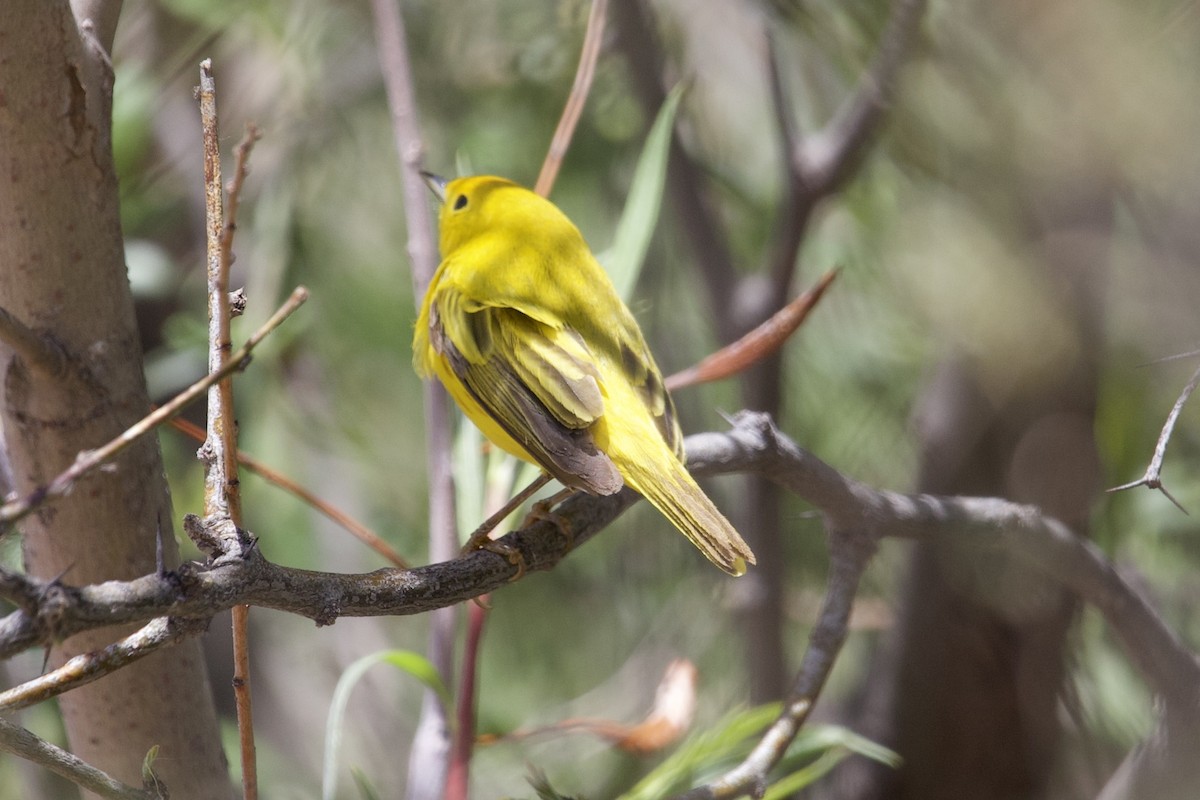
(938, 254)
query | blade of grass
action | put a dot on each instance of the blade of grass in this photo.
(408, 661)
(625, 256)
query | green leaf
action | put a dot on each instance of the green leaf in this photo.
(707, 754)
(414, 664)
(625, 256)
(365, 788)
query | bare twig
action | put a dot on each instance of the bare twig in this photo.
(40, 351)
(1153, 477)
(83, 669)
(431, 745)
(21, 742)
(89, 460)
(851, 551)
(232, 202)
(458, 774)
(593, 38)
(276, 478)
(819, 165)
(222, 498)
(755, 345)
(480, 535)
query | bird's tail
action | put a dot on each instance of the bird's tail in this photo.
(680, 500)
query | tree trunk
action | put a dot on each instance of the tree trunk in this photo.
(62, 273)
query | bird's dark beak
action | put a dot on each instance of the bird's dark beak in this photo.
(436, 184)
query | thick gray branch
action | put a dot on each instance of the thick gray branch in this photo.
(753, 445)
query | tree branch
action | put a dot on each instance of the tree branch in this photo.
(753, 445)
(431, 746)
(222, 495)
(20, 742)
(84, 669)
(851, 551)
(828, 158)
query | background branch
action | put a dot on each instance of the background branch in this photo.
(83, 669)
(431, 747)
(20, 742)
(588, 56)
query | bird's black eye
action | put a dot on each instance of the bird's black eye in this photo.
(460, 202)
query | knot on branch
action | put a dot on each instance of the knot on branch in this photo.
(218, 538)
(55, 603)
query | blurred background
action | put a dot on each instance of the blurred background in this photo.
(1017, 247)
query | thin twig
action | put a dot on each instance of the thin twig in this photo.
(222, 497)
(430, 749)
(24, 744)
(40, 351)
(1153, 477)
(480, 535)
(458, 774)
(755, 345)
(821, 164)
(89, 460)
(796, 205)
(276, 478)
(234, 195)
(593, 38)
(851, 551)
(85, 668)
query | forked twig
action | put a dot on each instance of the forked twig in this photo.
(431, 744)
(1153, 477)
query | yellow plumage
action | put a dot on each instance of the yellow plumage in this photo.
(527, 333)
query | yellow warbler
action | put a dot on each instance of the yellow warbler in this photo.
(530, 338)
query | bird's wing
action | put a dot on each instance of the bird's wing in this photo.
(536, 381)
